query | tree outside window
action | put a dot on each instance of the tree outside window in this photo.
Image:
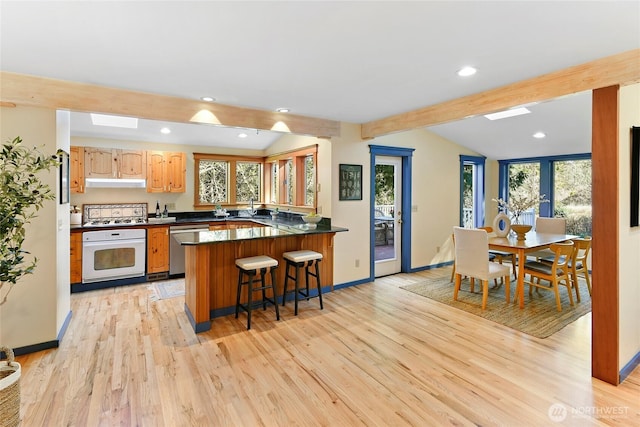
(213, 177)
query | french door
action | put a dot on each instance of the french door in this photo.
(387, 218)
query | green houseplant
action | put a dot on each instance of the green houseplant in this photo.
(22, 194)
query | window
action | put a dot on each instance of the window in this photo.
(248, 181)
(281, 179)
(564, 180)
(293, 178)
(572, 195)
(524, 184)
(310, 181)
(227, 180)
(213, 176)
(471, 191)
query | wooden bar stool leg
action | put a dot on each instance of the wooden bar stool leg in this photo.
(297, 266)
(275, 295)
(238, 292)
(263, 273)
(250, 298)
(318, 283)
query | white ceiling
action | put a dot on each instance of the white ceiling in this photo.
(346, 61)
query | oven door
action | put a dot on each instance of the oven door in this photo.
(111, 260)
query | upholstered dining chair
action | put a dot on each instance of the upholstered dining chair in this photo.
(551, 225)
(557, 273)
(548, 226)
(500, 256)
(471, 248)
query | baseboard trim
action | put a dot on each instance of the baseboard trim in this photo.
(629, 367)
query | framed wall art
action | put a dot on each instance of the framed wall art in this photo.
(350, 182)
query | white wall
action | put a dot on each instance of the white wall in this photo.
(435, 198)
(628, 238)
(34, 310)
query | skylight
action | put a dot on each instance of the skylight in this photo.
(114, 121)
(507, 113)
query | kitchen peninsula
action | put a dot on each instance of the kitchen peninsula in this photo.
(210, 272)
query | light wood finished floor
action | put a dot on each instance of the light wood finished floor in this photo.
(375, 356)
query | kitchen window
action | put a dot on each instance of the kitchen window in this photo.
(227, 180)
(284, 179)
(292, 178)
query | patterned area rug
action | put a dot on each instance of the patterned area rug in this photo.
(538, 318)
(166, 289)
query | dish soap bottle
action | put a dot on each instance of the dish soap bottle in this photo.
(157, 209)
(165, 212)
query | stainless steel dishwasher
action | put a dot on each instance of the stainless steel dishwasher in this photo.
(176, 251)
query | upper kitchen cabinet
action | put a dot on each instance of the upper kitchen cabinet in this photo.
(166, 172)
(114, 163)
(76, 169)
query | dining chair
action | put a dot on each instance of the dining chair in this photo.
(578, 263)
(557, 273)
(471, 248)
(548, 226)
(551, 225)
(500, 256)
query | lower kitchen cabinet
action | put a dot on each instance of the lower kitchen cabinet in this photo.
(76, 257)
(157, 250)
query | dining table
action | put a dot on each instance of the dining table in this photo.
(533, 241)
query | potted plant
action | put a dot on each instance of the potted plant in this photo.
(22, 194)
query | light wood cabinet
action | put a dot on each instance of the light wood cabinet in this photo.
(76, 257)
(166, 172)
(76, 169)
(132, 163)
(114, 163)
(157, 249)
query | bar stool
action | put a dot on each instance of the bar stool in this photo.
(250, 267)
(298, 259)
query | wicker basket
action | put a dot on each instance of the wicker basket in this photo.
(9, 390)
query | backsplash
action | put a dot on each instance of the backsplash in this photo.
(125, 211)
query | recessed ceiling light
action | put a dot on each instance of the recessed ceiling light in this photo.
(208, 98)
(242, 135)
(166, 131)
(283, 110)
(467, 71)
(114, 121)
(539, 135)
(507, 113)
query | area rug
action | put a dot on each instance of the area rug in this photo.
(166, 289)
(539, 317)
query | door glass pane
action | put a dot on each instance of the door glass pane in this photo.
(572, 195)
(384, 212)
(468, 197)
(524, 186)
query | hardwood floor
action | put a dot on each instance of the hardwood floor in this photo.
(376, 355)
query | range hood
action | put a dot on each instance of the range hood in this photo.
(115, 183)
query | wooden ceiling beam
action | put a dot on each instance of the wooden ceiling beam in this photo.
(620, 69)
(25, 90)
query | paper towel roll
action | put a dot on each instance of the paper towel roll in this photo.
(76, 218)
